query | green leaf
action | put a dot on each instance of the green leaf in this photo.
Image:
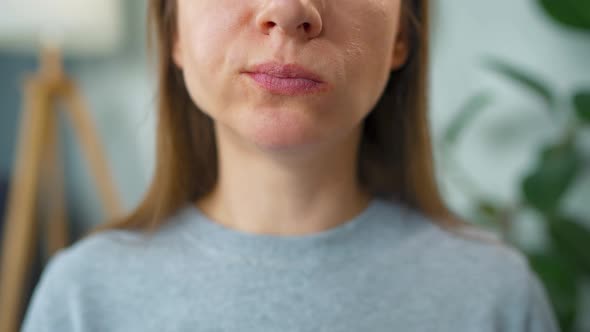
(573, 239)
(524, 78)
(571, 13)
(466, 114)
(486, 213)
(560, 281)
(556, 170)
(582, 105)
(489, 209)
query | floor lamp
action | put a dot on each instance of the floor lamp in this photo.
(38, 165)
(37, 168)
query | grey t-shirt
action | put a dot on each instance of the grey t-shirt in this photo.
(387, 269)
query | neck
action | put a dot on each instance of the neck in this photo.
(263, 195)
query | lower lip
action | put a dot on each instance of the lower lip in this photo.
(287, 86)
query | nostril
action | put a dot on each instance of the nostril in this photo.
(306, 26)
(270, 24)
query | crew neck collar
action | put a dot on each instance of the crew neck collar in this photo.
(335, 243)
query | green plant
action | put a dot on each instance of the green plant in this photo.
(565, 263)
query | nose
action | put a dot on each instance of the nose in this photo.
(296, 18)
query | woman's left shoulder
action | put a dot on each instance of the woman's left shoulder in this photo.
(476, 261)
(477, 250)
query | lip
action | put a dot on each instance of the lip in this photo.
(287, 79)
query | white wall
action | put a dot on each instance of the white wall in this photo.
(501, 144)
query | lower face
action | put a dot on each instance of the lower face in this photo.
(218, 40)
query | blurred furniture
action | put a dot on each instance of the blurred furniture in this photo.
(36, 206)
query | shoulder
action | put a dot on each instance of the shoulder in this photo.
(92, 274)
(470, 245)
(466, 256)
(468, 248)
(108, 251)
(114, 255)
(71, 274)
(475, 268)
(88, 259)
(475, 253)
(100, 257)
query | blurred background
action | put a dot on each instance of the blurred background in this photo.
(510, 121)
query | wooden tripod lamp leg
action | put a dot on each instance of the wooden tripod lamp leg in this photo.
(56, 227)
(93, 150)
(38, 132)
(20, 225)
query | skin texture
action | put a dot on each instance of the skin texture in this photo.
(287, 163)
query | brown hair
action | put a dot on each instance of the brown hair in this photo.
(395, 157)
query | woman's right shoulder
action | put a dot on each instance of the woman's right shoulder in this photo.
(74, 272)
(91, 255)
(110, 250)
(88, 258)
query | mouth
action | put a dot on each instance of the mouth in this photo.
(286, 79)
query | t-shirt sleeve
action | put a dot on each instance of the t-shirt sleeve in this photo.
(540, 316)
(48, 307)
(526, 306)
(523, 302)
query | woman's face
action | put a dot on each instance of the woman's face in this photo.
(352, 45)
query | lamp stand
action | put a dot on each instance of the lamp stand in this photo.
(38, 164)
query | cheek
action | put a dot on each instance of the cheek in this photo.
(206, 32)
(365, 35)
(205, 26)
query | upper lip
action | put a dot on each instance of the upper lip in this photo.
(289, 70)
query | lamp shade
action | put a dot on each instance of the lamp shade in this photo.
(78, 27)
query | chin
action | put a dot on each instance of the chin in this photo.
(282, 138)
(277, 127)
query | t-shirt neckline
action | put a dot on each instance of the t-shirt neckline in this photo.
(229, 244)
